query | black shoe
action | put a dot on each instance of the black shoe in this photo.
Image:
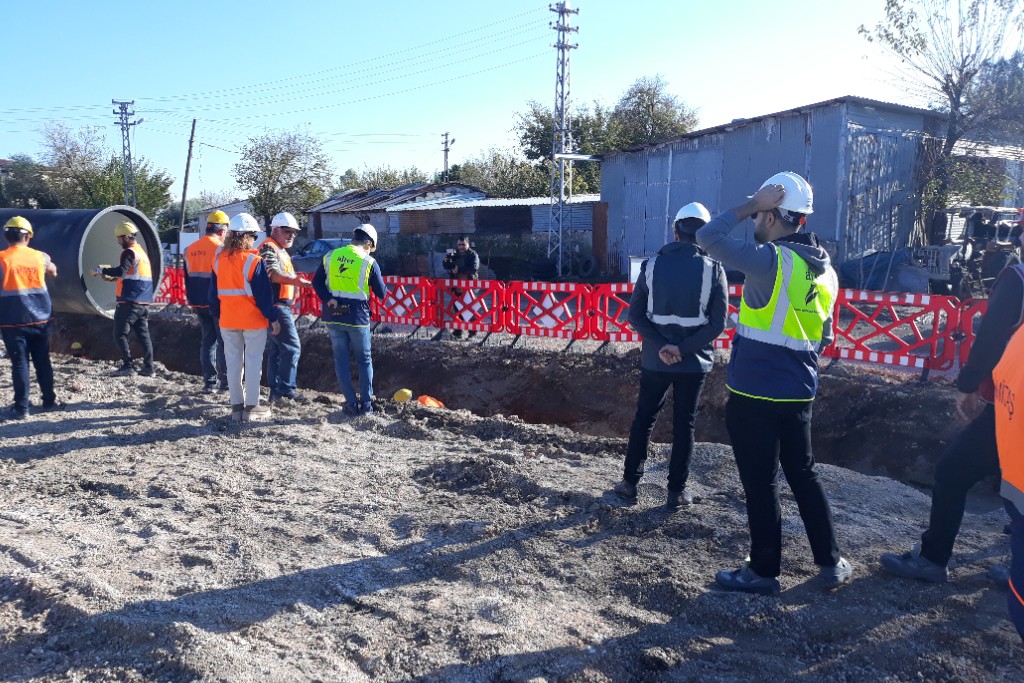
(209, 387)
(625, 489)
(147, 372)
(123, 371)
(296, 397)
(351, 410)
(15, 413)
(678, 499)
(51, 407)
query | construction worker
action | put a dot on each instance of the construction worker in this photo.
(1008, 377)
(284, 348)
(242, 298)
(785, 320)
(678, 307)
(973, 454)
(343, 282)
(134, 292)
(198, 271)
(25, 315)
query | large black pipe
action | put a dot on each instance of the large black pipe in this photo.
(77, 241)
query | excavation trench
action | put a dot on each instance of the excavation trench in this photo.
(864, 420)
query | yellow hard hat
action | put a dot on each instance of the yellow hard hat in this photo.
(403, 395)
(19, 223)
(125, 228)
(218, 218)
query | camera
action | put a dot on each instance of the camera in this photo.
(449, 259)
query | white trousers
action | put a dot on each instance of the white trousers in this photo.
(243, 356)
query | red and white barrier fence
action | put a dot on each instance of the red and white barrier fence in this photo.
(909, 330)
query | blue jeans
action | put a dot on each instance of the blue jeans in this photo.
(283, 351)
(211, 349)
(355, 341)
(1015, 600)
(23, 343)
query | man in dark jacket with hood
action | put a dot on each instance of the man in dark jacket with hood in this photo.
(785, 320)
(678, 307)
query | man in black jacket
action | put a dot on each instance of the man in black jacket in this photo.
(464, 264)
(678, 307)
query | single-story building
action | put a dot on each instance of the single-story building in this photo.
(863, 158)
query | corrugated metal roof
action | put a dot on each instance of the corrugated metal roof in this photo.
(380, 200)
(467, 202)
(787, 112)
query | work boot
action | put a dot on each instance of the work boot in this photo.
(209, 387)
(256, 413)
(15, 413)
(351, 409)
(912, 565)
(55, 405)
(678, 499)
(625, 489)
(841, 573)
(147, 372)
(237, 409)
(123, 371)
(746, 580)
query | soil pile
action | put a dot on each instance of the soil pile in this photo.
(144, 536)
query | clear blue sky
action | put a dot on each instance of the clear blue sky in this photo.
(380, 82)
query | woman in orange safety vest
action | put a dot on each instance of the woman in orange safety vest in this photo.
(1008, 377)
(242, 297)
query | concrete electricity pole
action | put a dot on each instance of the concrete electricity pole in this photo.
(447, 146)
(561, 168)
(126, 148)
(188, 167)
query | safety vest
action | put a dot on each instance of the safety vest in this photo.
(800, 304)
(136, 287)
(199, 261)
(23, 297)
(348, 273)
(238, 309)
(1009, 379)
(286, 293)
(699, 314)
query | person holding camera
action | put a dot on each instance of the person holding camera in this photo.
(462, 264)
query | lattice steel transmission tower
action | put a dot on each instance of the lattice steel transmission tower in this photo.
(561, 168)
(126, 148)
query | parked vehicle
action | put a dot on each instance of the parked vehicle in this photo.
(309, 257)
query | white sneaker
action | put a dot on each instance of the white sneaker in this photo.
(256, 414)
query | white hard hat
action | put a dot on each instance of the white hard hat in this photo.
(284, 220)
(369, 231)
(693, 210)
(243, 222)
(799, 197)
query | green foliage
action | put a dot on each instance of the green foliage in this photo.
(502, 174)
(25, 185)
(283, 172)
(647, 113)
(379, 178)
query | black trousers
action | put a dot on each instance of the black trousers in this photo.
(765, 434)
(133, 317)
(654, 387)
(970, 457)
(24, 343)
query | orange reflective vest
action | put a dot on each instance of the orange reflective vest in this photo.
(238, 309)
(23, 296)
(199, 263)
(1009, 380)
(285, 293)
(136, 286)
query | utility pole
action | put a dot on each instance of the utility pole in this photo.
(184, 186)
(126, 148)
(561, 168)
(447, 146)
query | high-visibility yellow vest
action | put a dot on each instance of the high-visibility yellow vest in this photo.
(348, 273)
(800, 304)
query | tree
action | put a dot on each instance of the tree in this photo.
(380, 178)
(1002, 83)
(26, 186)
(648, 113)
(82, 174)
(283, 172)
(502, 173)
(946, 46)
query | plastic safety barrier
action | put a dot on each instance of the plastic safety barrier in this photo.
(172, 287)
(910, 330)
(546, 309)
(724, 340)
(473, 305)
(306, 302)
(971, 312)
(409, 301)
(609, 309)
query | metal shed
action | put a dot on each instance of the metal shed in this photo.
(862, 157)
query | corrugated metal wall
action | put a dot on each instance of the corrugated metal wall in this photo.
(581, 217)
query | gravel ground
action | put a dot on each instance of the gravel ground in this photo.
(144, 536)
